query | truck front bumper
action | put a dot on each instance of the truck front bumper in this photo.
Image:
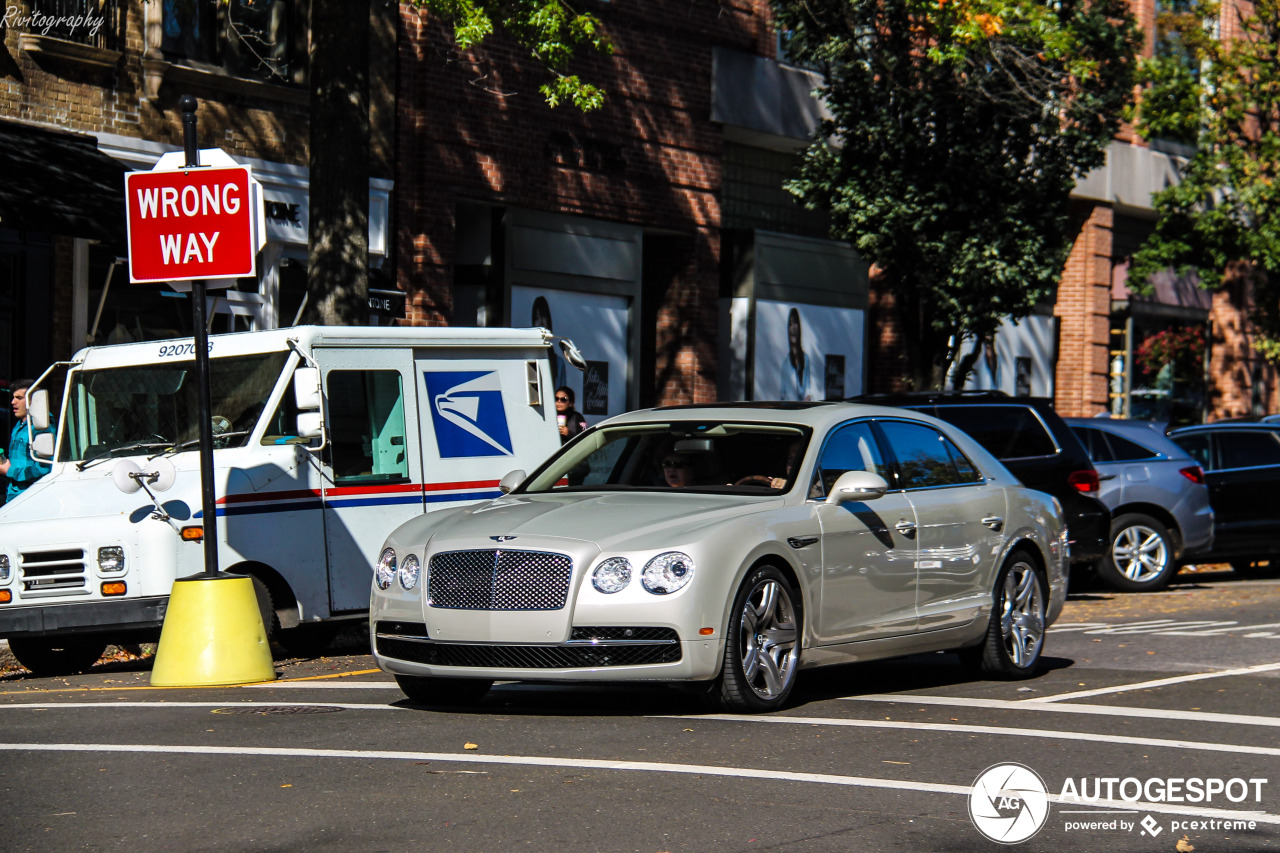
(99, 617)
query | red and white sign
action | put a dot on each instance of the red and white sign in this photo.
(192, 223)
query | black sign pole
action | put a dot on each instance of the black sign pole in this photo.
(204, 414)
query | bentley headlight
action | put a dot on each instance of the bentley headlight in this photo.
(612, 575)
(409, 571)
(386, 568)
(667, 573)
(111, 559)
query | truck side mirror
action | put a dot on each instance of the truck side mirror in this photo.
(38, 410)
(306, 388)
(309, 425)
(42, 445)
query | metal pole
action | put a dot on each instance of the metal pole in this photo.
(204, 415)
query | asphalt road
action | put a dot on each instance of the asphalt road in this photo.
(1179, 685)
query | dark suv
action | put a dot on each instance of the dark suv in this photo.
(1034, 443)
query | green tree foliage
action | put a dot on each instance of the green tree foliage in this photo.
(1223, 218)
(551, 31)
(958, 129)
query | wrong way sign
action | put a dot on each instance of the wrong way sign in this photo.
(192, 223)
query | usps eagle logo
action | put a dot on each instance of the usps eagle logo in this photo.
(468, 414)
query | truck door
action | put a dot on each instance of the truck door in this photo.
(372, 465)
(482, 416)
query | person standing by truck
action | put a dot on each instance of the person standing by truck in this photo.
(569, 421)
(19, 467)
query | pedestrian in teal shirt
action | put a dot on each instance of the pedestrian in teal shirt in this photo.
(19, 467)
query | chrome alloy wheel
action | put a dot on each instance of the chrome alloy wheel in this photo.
(1140, 553)
(1022, 614)
(768, 641)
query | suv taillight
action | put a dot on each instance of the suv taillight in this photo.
(1085, 482)
(1195, 474)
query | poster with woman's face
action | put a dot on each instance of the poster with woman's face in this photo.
(597, 324)
(807, 352)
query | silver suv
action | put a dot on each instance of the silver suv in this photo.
(1160, 511)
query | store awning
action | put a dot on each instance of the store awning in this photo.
(59, 183)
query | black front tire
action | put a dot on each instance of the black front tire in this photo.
(427, 690)
(762, 646)
(46, 656)
(1014, 641)
(1142, 555)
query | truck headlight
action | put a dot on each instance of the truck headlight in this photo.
(6, 573)
(666, 573)
(612, 575)
(409, 571)
(111, 559)
(386, 568)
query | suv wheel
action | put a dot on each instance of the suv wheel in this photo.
(1141, 556)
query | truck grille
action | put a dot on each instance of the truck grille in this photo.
(499, 579)
(52, 571)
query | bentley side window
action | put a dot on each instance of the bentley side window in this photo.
(852, 447)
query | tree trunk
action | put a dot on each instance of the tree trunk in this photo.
(338, 259)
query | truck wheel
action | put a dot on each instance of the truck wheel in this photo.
(54, 656)
(308, 641)
(266, 609)
(425, 690)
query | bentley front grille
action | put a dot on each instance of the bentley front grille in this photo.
(499, 579)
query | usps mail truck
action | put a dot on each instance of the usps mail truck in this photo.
(325, 440)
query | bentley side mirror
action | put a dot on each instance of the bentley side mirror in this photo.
(857, 486)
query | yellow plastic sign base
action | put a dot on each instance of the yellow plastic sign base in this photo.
(212, 634)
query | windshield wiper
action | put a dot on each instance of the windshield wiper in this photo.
(178, 448)
(123, 448)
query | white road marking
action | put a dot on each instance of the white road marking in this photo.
(1159, 682)
(326, 685)
(956, 728)
(607, 764)
(1038, 706)
(1166, 627)
(52, 706)
(952, 728)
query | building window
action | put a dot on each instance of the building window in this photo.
(95, 23)
(245, 38)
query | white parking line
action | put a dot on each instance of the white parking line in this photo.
(954, 728)
(606, 764)
(951, 728)
(1159, 682)
(350, 706)
(1038, 706)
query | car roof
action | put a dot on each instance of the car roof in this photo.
(1150, 434)
(1218, 426)
(815, 415)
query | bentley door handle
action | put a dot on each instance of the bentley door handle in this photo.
(995, 522)
(906, 528)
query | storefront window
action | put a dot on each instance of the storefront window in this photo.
(246, 38)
